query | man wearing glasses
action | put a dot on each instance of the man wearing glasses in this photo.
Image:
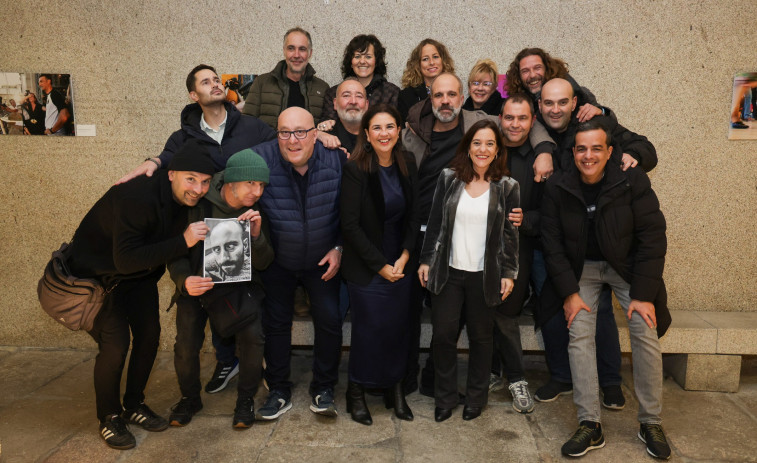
(302, 203)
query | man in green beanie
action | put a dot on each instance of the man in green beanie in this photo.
(233, 193)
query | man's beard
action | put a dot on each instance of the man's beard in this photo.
(445, 119)
(350, 115)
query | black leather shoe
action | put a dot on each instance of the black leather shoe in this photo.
(470, 413)
(394, 397)
(356, 406)
(441, 414)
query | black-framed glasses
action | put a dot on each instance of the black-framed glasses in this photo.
(486, 83)
(298, 134)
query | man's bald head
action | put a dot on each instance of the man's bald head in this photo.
(293, 149)
(557, 104)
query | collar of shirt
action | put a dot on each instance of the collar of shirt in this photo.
(216, 135)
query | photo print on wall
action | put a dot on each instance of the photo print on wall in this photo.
(36, 104)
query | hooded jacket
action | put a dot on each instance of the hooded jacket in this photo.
(269, 94)
(241, 132)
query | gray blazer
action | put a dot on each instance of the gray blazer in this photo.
(501, 255)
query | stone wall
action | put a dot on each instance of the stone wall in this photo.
(665, 67)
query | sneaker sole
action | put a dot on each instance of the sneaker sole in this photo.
(242, 425)
(613, 406)
(552, 399)
(523, 411)
(588, 449)
(232, 374)
(283, 410)
(330, 411)
(641, 438)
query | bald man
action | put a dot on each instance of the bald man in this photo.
(302, 203)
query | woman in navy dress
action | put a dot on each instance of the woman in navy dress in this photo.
(379, 222)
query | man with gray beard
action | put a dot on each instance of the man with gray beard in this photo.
(350, 103)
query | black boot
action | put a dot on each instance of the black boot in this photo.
(356, 404)
(394, 397)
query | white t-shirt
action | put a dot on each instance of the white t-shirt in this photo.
(469, 233)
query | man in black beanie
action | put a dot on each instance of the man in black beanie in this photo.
(124, 241)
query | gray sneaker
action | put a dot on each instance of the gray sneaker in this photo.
(496, 383)
(276, 404)
(522, 400)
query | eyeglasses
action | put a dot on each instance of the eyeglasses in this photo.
(476, 83)
(298, 134)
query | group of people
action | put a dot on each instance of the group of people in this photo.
(415, 198)
(51, 116)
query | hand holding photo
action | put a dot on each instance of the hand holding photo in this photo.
(227, 251)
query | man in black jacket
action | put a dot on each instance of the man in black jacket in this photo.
(559, 109)
(124, 241)
(603, 226)
(218, 123)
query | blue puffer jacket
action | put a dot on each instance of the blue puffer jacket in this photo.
(301, 236)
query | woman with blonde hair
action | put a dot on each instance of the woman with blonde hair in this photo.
(482, 88)
(427, 60)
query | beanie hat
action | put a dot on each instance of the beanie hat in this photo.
(193, 156)
(246, 166)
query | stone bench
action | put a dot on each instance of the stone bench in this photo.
(701, 350)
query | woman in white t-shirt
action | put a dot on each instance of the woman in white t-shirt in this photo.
(469, 259)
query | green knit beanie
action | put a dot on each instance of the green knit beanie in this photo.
(246, 166)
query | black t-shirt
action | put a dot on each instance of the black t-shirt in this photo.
(591, 195)
(347, 139)
(443, 146)
(295, 96)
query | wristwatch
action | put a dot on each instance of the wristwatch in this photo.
(339, 248)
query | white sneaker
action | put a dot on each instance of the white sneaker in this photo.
(522, 400)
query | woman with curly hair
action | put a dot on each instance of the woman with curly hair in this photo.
(427, 60)
(364, 59)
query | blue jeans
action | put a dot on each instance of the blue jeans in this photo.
(224, 348)
(278, 312)
(608, 360)
(538, 271)
(645, 348)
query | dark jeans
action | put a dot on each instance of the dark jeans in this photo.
(461, 288)
(224, 348)
(556, 338)
(190, 335)
(508, 346)
(280, 284)
(133, 305)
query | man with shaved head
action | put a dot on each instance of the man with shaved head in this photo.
(302, 204)
(559, 111)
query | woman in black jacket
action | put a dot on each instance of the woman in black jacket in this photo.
(379, 222)
(470, 258)
(427, 60)
(364, 59)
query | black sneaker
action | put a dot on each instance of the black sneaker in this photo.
(116, 434)
(184, 410)
(588, 437)
(244, 413)
(612, 398)
(221, 377)
(143, 416)
(552, 390)
(276, 404)
(654, 437)
(323, 403)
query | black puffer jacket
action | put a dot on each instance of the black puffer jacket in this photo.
(630, 231)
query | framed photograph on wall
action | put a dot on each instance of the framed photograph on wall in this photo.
(36, 104)
(743, 123)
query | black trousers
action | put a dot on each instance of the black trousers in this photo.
(133, 305)
(508, 345)
(190, 336)
(462, 288)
